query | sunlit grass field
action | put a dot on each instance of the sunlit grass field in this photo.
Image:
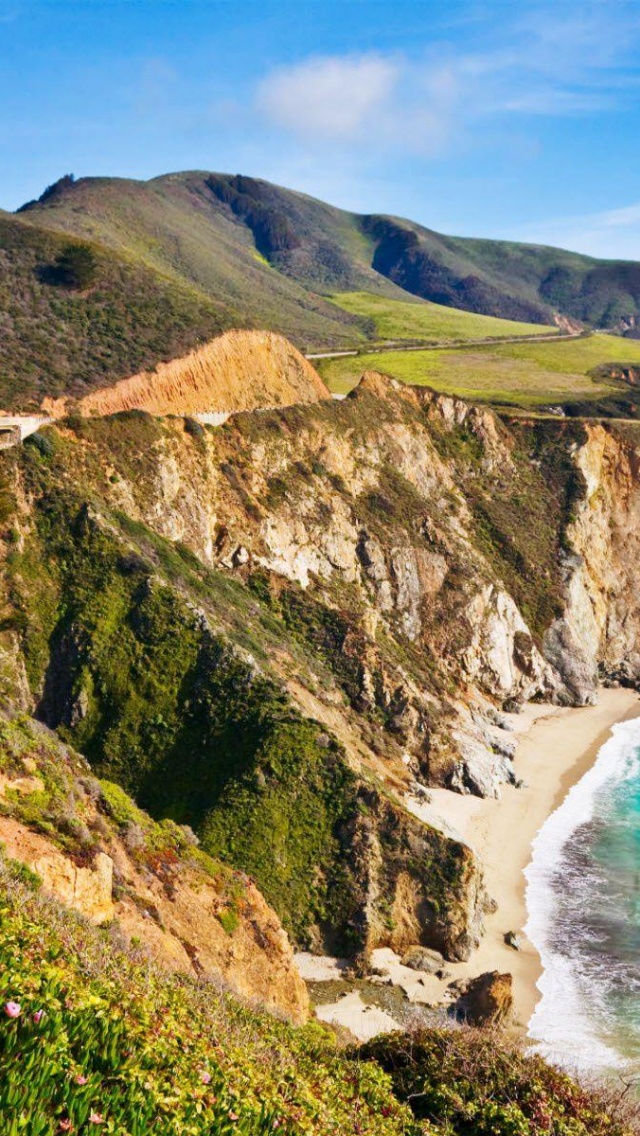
(524, 374)
(421, 320)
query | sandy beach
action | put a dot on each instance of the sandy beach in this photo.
(556, 746)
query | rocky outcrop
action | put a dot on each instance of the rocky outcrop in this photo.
(603, 610)
(240, 370)
(422, 959)
(486, 1000)
(187, 925)
(417, 886)
(88, 890)
(109, 862)
(175, 918)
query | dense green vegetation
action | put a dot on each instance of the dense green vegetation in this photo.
(477, 1083)
(563, 372)
(93, 1040)
(167, 709)
(420, 320)
(79, 316)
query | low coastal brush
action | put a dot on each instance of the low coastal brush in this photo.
(94, 1039)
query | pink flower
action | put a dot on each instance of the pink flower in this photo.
(205, 1078)
(38, 1016)
(80, 1079)
(96, 1118)
(65, 1126)
(12, 1009)
(232, 1116)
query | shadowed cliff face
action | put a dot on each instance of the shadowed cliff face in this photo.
(283, 630)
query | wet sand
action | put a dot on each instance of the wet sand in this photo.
(556, 746)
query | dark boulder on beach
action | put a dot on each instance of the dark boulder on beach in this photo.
(485, 1000)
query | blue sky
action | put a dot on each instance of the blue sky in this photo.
(486, 119)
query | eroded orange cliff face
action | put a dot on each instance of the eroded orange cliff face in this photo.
(240, 370)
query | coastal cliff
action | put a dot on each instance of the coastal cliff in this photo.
(282, 632)
(92, 849)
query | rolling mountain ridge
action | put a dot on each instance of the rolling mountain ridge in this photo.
(106, 277)
(326, 249)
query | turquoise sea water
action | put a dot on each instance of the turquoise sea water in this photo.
(583, 900)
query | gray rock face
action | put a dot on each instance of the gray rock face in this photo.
(422, 958)
(577, 668)
(483, 769)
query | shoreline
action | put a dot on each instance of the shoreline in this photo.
(556, 747)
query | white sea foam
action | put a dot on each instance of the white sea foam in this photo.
(569, 1022)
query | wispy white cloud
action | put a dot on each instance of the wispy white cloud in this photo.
(611, 233)
(547, 64)
(372, 102)
(329, 96)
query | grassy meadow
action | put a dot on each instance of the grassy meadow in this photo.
(519, 374)
(421, 320)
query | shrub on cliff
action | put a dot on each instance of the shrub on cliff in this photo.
(94, 1040)
(470, 1082)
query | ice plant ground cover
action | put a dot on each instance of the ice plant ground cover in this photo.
(94, 1040)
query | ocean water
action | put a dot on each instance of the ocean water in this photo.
(583, 902)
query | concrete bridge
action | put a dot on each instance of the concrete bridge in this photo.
(15, 428)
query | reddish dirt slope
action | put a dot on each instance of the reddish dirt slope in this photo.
(240, 370)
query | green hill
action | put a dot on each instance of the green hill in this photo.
(422, 321)
(105, 276)
(222, 232)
